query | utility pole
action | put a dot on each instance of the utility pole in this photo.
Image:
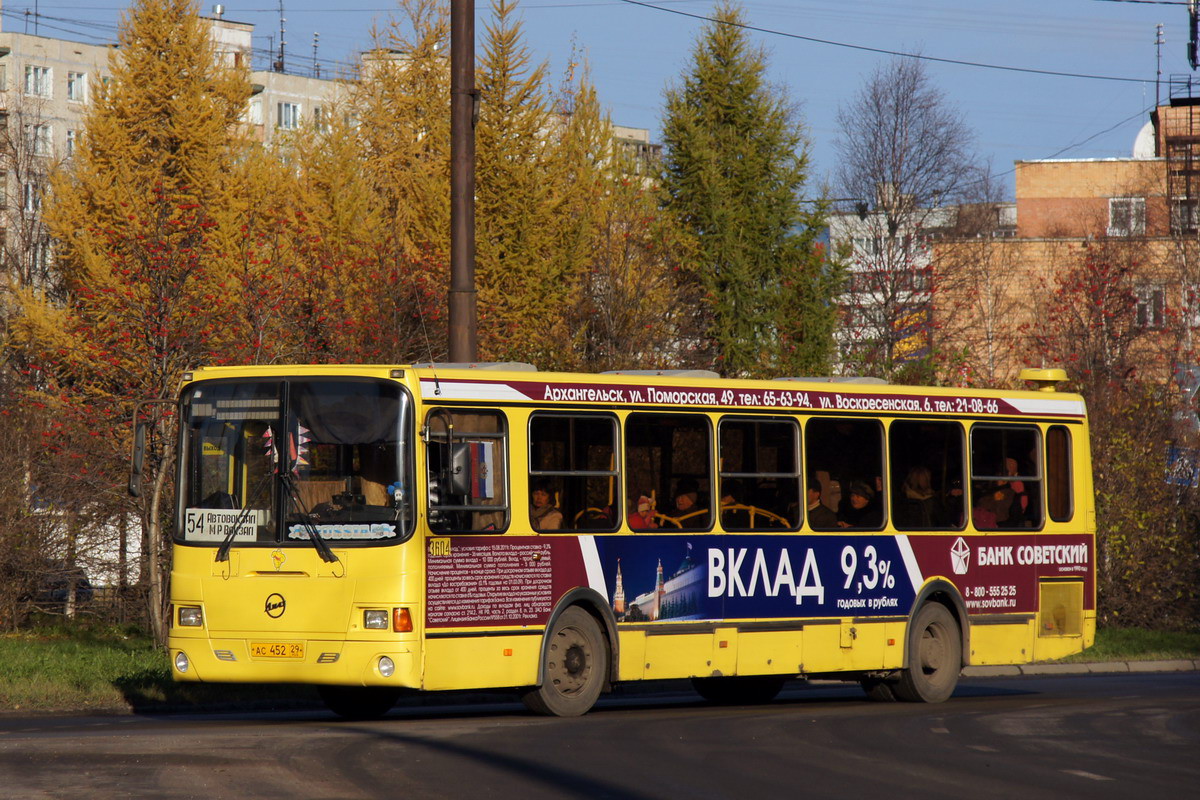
(463, 345)
(1158, 43)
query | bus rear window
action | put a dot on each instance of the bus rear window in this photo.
(1058, 474)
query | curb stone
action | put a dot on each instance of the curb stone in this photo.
(1082, 668)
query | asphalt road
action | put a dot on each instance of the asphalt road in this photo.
(1095, 736)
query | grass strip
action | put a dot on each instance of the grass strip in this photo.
(120, 670)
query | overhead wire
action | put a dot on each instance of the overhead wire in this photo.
(882, 50)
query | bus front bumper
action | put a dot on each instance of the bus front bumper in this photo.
(341, 663)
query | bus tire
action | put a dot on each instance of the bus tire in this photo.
(879, 690)
(934, 656)
(575, 668)
(359, 702)
(742, 690)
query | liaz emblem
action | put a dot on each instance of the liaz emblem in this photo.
(275, 605)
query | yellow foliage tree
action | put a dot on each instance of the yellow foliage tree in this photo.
(142, 221)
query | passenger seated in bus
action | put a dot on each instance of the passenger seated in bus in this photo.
(688, 510)
(859, 511)
(543, 514)
(1019, 515)
(952, 504)
(641, 518)
(991, 507)
(820, 516)
(733, 513)
(916, 507)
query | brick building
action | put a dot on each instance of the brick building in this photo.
(1135, 213)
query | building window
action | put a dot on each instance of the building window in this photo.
(3, 77)
(39, 140)
(72, 140)
(1190, 304)
(77, 86)
(40, 254)
(288, 116)
(254, 116)
(4, 189)
(1151, 305)
(867, 246)
(1183, 216)
(320, 119)
(37, 80)
(1126, 216)
(32, 201)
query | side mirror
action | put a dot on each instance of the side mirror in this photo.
(460, 469)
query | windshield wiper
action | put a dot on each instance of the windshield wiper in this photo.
(227, 542)
(314, 535)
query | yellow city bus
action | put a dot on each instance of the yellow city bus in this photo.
(381, 529)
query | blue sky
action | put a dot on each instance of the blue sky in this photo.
(635, 52)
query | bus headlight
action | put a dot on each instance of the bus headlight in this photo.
(375, 619)
(181, 661)
(387, 667)
(191, 617)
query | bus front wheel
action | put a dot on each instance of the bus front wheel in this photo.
(574, 668)
(934, 657)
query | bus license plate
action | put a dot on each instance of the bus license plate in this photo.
(277, 650)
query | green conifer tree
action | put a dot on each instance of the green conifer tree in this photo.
(736, 164)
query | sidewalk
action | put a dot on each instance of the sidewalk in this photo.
(1084, 668)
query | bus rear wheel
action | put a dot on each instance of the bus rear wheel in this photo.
(574, 669)
(934, 657)
(359, 702)
(739, 689)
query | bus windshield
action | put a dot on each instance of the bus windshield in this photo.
(272, 462)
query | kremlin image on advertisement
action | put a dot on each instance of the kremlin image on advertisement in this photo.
(679, 595)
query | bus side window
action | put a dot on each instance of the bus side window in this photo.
(466, 452)
(668, 457)
(1006, 479)
(851, 452)
(1058, 474)
(573, 457)
(926, 460)
(760, 474)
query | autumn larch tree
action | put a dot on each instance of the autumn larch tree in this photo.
(139, 221)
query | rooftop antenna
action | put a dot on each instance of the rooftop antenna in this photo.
(279, 65)
(316, 66)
